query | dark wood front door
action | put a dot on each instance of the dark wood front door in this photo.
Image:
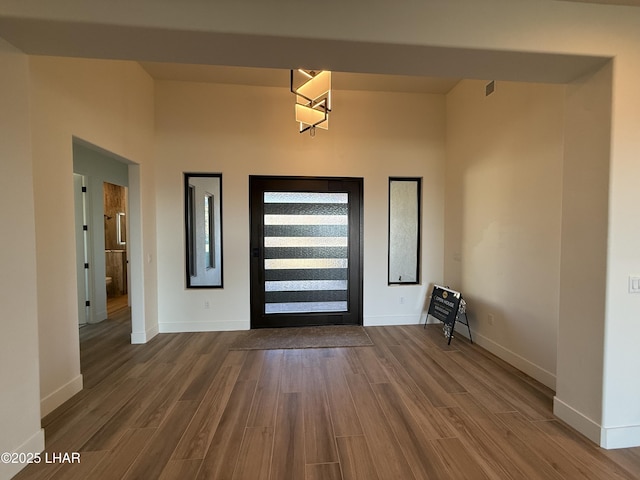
(306, 251)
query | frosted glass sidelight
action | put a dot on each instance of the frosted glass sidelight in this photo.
(404, 230)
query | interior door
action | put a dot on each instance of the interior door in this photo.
(306, 251)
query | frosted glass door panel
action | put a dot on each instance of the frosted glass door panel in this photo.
(306, 260)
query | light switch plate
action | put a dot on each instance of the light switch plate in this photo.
(634, 283)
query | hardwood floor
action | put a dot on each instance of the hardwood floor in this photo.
(186, 407)
(117, 305)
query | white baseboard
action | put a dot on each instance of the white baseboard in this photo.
(620, 437)
(139, 338)
(386, 320)
(181, 327)
(627, 436)
(535, 371)
(577, 420)
(52, 401)
(34, 444)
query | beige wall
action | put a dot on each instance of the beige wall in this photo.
(108, 104)
(241, 131)
(503, 217)
(621, 416)
(585, 194)
(19, 377)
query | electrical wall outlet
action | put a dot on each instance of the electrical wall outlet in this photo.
(491, 319)
(206, 304)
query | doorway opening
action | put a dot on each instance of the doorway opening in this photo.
(115, 247)
(108, 238)
(306, 251)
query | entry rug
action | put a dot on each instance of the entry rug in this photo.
(303, 337)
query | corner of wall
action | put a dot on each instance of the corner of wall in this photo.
(52, 401)
(32, 445)
(577, 420)
(139, 338)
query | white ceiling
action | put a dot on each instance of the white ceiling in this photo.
(271, 77)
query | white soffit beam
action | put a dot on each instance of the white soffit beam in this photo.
(126, 42)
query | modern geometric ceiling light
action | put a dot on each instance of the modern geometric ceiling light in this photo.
(313, 99)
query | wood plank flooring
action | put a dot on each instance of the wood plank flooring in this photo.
(186, 407)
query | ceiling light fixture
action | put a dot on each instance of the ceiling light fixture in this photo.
(313, 99)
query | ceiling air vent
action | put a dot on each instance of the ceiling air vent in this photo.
(490, 88)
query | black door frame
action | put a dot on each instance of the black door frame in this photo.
(258, 184)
